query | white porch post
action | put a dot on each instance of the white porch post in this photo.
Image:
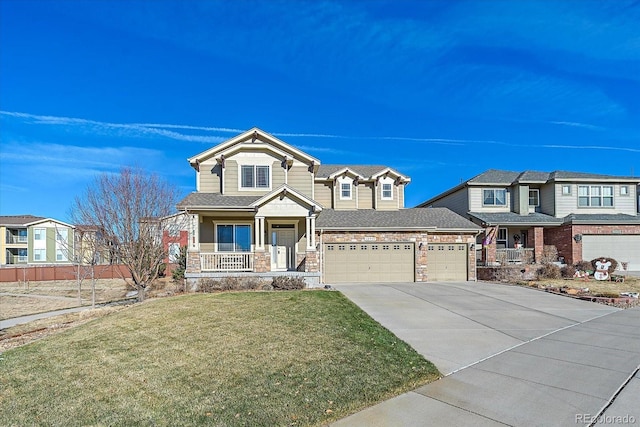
(194, 233)
(259, 232)
(311, 232)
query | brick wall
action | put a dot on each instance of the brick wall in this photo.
(562, 237)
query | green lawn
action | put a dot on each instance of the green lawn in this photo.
(255, 358)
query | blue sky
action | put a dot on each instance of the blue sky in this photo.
(440, 90)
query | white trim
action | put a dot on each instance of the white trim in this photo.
(295, 243)
(255, 187)
(215, 233)
(345, 180)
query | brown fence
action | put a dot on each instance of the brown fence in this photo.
(59, 272)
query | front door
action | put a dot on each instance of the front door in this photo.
(282, 244)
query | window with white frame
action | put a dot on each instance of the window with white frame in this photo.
(39, 233)
(255, 176)
(345, 191)
(566, 190)
(233, 237)
(61, 255)
(534, 197)
(39, 254)
(387, 191)
(595, 196)
(62, 235)
(494, 197)
(624, 190)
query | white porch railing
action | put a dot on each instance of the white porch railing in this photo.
(515, 256)
(226, 261)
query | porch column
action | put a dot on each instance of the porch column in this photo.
(259, 232)
(311, 233)
(538, 244)
(194, 233)
(489, 245)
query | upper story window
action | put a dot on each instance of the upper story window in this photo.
(38, 233)
(62, 235)
(387, 191)
(566, 190)
(345, 191)
(624, 190)
(495, 197)
(534, 198)
(254, 176)
(595, 195)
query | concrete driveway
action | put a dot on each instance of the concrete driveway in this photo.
(511, 355)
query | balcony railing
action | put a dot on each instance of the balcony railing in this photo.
(515, 256)
(226, 261)
(16, 259)
(16, 239)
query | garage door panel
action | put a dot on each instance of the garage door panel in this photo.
(447, 262)
(369, 262)
(622, 248)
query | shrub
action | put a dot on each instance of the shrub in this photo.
(612, 267)
(235, 283)
(568, 271)
(583, 266)
(181, 265)
(287, 283)
(549, 271)
(549, 254)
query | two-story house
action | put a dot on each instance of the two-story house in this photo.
(583, 215)
(263, 206)
(33, 240)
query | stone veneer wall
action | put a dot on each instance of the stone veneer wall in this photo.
(261, 261)
(562, 238)
(421, 262)
(193, 262)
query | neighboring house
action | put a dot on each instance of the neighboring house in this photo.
(35, 240)
(583, 215)
(263, 206)
(175, 235)
(92, 247)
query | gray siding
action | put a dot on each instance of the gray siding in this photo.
(476, 198)
(458, 202)
(566, 205)
(547, 196)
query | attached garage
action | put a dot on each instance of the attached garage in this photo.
(369, 262)
(447, 262)
(622, 248)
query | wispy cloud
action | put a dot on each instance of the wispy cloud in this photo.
(578, 125)
(592, 147)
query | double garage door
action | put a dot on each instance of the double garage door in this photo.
(385, 262)
(369, 262)
(622, 248)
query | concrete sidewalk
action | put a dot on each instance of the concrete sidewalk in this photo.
(26, 319)
(513, 356)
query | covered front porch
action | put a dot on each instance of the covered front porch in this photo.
(270, 234)
(505, 245)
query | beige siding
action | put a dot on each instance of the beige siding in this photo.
(277, 175)
(231, 178)
(323, 194)
(209, 176)
(401, 195)
(345, 204)
(301, 179)
(365, 195)
(458, 202)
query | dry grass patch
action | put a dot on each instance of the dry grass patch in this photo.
(15, 306)
(258, 358)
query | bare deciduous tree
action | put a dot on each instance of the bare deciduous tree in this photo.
(130, 208)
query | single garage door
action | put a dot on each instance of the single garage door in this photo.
(447, 262)
(622, 248)
(369, 262)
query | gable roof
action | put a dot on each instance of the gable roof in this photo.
(253, 135)
(365, 171)
(433, 219)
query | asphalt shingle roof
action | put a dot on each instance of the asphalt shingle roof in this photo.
(365, 170)
(19, 219)
(216, 200)
(439, 218)
(503, 218)
(604, 218)
(503, 177)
